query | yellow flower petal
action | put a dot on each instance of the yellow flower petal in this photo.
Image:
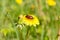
(51, 2)
(19, 2)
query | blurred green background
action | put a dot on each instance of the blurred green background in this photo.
(49, 19)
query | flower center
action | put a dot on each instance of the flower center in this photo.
(29, 17)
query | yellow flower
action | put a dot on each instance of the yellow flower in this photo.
(30, 20)
(4, 31)
(51, 2)
(19, 2)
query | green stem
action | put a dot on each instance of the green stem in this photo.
(27, 34)
(42, 35)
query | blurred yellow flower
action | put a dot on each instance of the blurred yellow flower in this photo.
(30, 20)
(19, 2)
(51, 2)
(4, 31)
